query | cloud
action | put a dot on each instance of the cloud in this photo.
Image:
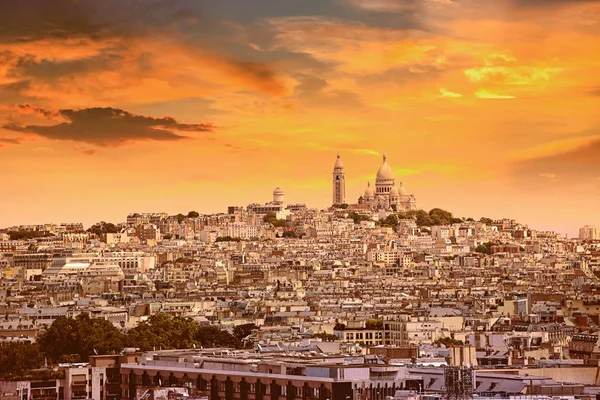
(30, 67)
(384, 6)
(541, 4)
(108, 127)
(10, 140)
(485, 94)
(448, 94)
(573, 167)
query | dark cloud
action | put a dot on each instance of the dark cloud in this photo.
(574, 167)
(316, 90)
(595, 91)
(10, 140)
(405, 75)
(29, 66)
(109, 127)
(22, 21)
(533, 4)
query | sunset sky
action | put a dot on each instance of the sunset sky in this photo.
(484, 107)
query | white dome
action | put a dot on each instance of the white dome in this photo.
(385, 172)
(402, 190)
(338, 163)
(278, 191)
(369, 191)
(394, 192)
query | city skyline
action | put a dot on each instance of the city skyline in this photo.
(483, 108)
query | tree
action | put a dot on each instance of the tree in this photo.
(486, 220)
(18, 358)
(390, 221)
(440, 217)
(180, 217)
(240, 332)
(290, 234)
(228, 239)
(357, 218)
(82, 335)
(102, 228)
(326, 337)
(374, 324)
(193, 214)
(213, 336)
(271, 218)
(448, 342)
(485, 248)
(163, 331)
(24, 235)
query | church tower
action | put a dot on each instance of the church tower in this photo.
(339, 182)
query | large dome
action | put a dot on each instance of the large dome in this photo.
(385, 172)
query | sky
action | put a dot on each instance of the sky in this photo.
(484, 107)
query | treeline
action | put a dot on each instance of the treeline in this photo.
(75, 339)
(433, 217)
(25, 235)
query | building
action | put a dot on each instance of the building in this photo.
(589, 232)
(339, 182)
(220, 374)
(387, 196)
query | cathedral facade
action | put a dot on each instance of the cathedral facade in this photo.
(387, 195)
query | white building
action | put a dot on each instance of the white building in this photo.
(386, 194)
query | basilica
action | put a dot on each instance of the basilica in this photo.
(385, 196)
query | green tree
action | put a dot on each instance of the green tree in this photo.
(24, 235)
(374, 324)
(390, 221)
(242, 331)
(485, 248)
(422, 218)
(82, 335)
(271, 218)
(102, 228)
(486, 220)
(163, 331)
(440, 217)
(193, 214)
(326, 337)
(18, 358)
(213, 336)
(357, 218)
(228, 239)
(290, 234)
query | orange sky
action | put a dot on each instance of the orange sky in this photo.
(484, 107)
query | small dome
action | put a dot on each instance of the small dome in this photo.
(402, 190)
(338, 162)
(394, 192)
(278, 191)
(385, 172)
(369, 191)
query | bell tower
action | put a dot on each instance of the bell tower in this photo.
(339, 182)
